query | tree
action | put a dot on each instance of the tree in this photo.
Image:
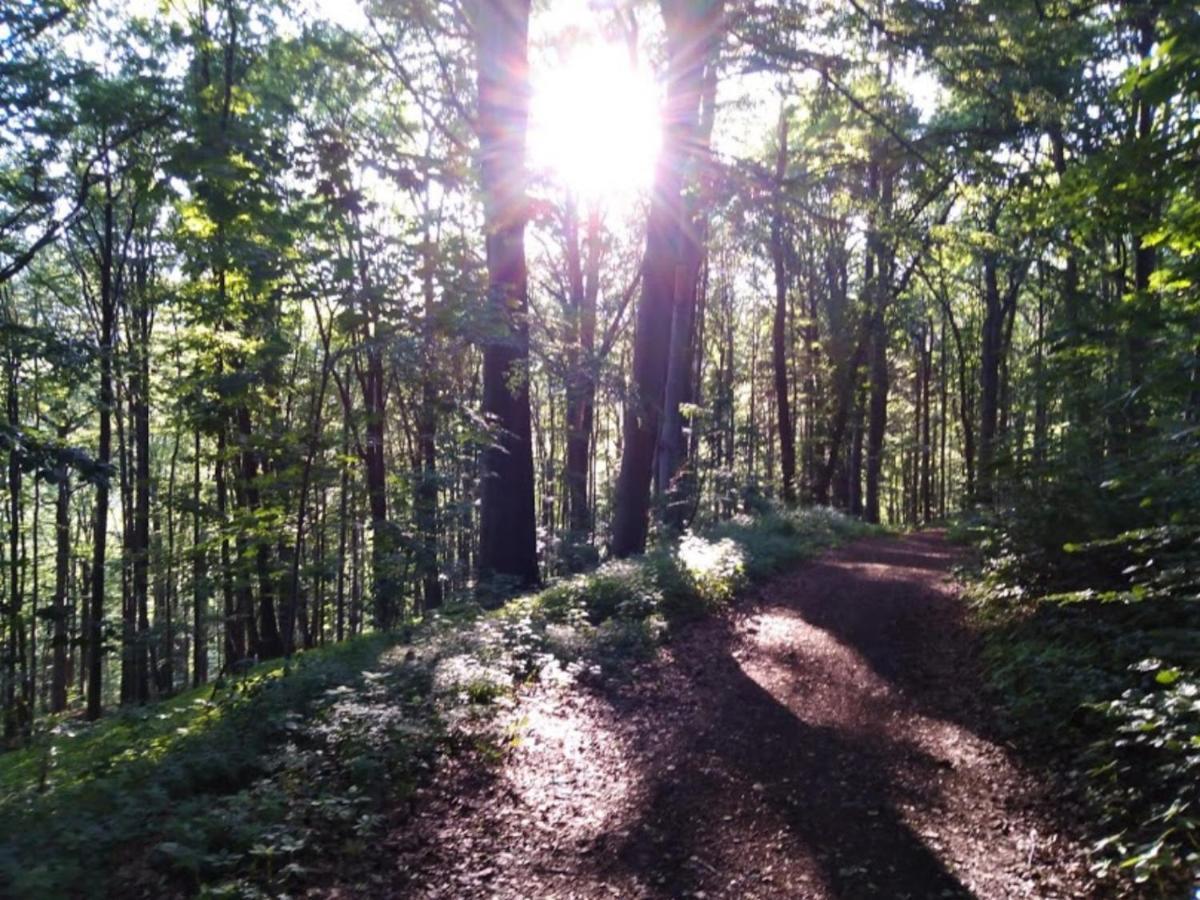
(669, 268)
(508, 538)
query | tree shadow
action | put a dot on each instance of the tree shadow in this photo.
(887, 607)
(751, 766)
(778, 754)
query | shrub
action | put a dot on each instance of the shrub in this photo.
(1091, 650)
(624, 588)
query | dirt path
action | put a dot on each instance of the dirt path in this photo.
(825, 740)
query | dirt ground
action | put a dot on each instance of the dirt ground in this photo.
(826, 738)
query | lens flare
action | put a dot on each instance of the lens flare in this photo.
(594, 123)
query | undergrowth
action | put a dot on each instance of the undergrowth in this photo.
(1093, 649)
(284, 779)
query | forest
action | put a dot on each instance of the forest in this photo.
(370, 366)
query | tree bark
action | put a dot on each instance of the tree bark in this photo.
(14, 712)
(62, 561)
(880, 297)
(508, 533)
(428, 525)
(583, 275)
(107, 299)
(989, 374)
(199, 577)
(692, 30)
(139, 402)
(779, 359)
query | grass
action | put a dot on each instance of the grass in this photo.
(284, 778)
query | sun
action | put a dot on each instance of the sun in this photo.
(594, 123)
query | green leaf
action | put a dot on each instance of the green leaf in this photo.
(1168, 676)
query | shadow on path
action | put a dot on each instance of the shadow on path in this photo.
(823, 800)
(824, 740)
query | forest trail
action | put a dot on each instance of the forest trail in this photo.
(825, 739)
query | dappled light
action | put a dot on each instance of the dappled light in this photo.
(736, 765)
(585, 449)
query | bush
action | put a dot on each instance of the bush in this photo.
(1096, 659)
(624, 588)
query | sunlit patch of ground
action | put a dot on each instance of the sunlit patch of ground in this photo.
(805, 668)
(827, 684)
(569, 771)
(824, 743)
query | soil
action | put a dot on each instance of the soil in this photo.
(826, 738)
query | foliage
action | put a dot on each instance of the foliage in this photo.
(1104, 672)
(225, 789)
(210, 786)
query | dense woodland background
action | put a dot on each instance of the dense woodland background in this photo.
(293, 348)
(299, 346)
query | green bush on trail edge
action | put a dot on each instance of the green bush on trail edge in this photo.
(1093, 652)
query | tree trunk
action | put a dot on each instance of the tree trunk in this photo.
(926, 425)
(14, 712)
(989, 371)
(108, 304)
(779, 359)
(1144, 218)
(427, 485)
(343, 522)
(231, 582)
(269, 643)
(508, 528)
(139, 402)
(62, 561)
(672, 478)
(692, 33)
(199, 578)
(584, 281)
(879, 298)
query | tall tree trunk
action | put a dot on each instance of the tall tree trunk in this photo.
(269, 643)
(126, 467)
(989, 369)
(847, 378)
(62, 561)
(427, 485)
(14, 711)
(880, 297)
(677, 391)
(315, 418)
(672, 478)
(1078, 398)
(1041, 422)
(854, 476)
(343, 522)
(199, 577)
(926, 425)
(693, 30)
(1144, 218)
(140, 410)
(508, 528)
(584, 281)
(779, 357)
(165, 582)
(231, 582)
(943, 420)
(108, 303)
